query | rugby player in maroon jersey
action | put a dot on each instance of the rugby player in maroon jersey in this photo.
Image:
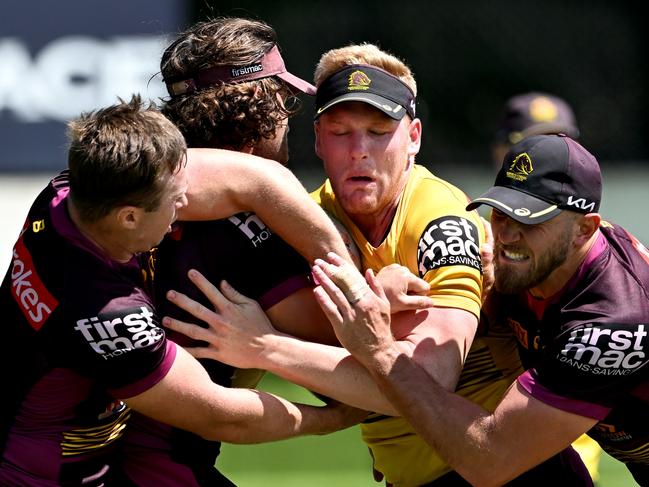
(83, 345)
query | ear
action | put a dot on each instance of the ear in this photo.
(587, 225)
(414, 132)
(128, 217)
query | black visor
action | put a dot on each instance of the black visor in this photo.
(367, 84)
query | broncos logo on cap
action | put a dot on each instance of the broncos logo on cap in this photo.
(358, 80)
(521, 167)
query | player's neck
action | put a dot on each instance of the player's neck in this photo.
(560, 276)
(103, 237)
(376, 226)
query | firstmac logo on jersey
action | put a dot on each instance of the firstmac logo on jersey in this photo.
(606, 349)
(449, 240)
(252, 226)
(115, 333)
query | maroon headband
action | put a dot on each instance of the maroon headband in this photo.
(271, 64)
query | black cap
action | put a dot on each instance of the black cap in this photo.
(535, 114)
(543, 175)
(368, 84)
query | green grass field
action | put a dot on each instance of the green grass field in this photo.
(339, 459)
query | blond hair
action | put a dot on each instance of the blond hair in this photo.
(336, 59)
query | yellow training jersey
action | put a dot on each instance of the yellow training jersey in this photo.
(437, 239)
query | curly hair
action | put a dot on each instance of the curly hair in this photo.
(120, 155)
(229, 116)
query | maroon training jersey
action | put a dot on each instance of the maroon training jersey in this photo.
(256, 262)
(79, 332)
(586, 349)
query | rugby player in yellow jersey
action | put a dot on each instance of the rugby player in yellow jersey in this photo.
(397, 212)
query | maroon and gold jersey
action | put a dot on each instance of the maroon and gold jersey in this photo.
(256, 262)
(79, 332)
(586, 349)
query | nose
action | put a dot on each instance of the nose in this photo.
(358, 146)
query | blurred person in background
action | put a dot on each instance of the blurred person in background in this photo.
(533, 113)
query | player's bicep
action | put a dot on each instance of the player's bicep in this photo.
(214, 183)
(222, 183)
(438, 339)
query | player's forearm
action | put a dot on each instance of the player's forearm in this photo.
(272, 418)
(332, 371)
(222, 183)
(187, 398)
(324, 369)
(461, 432)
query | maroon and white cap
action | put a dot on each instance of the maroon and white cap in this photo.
(270, 64)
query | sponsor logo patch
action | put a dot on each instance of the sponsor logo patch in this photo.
(606, 349)
(255, 68)
(449, 240)
(115, 333)
(252, 226)
(27, 289)
(580, 203)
